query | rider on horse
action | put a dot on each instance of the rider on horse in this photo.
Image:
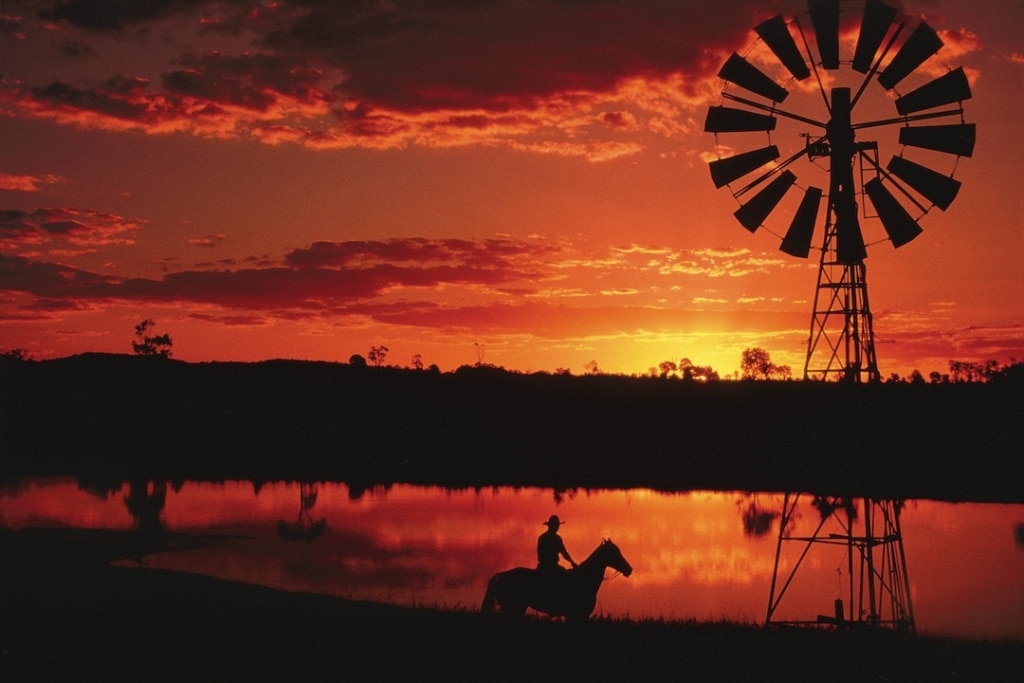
(550, 546)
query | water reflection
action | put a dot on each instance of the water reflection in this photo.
(304, 528)
(145, 501)
(698, 555)
(757, 519)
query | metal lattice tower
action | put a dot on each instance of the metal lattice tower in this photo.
(841, 343)
(876, 591)
(929, 127)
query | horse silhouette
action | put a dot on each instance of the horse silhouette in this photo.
(571, 594)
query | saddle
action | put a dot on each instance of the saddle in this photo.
(553, 583)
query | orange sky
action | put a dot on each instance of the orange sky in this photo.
(522, 182)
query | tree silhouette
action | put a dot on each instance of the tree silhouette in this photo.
(377, 355)
(146, 345)
(756, 363)
(698, 373)
(15, 354)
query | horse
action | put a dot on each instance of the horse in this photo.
(571, 594)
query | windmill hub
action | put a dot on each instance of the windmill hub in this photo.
(839, 130)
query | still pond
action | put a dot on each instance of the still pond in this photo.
(706, 555)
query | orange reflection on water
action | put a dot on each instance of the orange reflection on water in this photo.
(698, 555)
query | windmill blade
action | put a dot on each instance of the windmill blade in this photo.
(900, 225)
(955, 139)
(939, 189)
(752, 214)
(874, 25)
(825, 20)
(850, 247)
(731, 120)
(922, 44)
(776, 36)
(724, 171)
(946, 89)
(744, 74)
(797, 241)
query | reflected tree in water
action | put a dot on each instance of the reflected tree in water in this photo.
(304, 528)
(826, 506)
(757, 520)
(561, 495)
(145, 502)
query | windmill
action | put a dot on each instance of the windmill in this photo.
(841, 341)
(841, 136)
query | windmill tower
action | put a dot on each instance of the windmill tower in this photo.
(841, 341)
(842, 130)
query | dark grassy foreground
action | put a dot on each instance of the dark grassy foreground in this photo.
(66, 614)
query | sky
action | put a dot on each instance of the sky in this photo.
(523, 183)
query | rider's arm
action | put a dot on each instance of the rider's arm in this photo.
(565, 554)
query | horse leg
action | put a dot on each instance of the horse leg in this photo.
(489, 603)
(494, 597)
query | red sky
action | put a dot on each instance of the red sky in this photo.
(522, 182)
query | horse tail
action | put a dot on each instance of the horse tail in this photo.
(490, 600)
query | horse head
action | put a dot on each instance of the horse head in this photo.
(612, 557)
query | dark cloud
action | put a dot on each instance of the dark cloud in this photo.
(73, 49)
(112, 15)
(547, 76)
(407, 54)
(481, 254)
(119, 98)
(457, 54)
(327, 276)
(53, 281)
(61, 227)
(252, 81)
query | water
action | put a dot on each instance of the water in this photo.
(706, 556)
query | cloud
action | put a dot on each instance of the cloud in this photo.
(65, 231)
(114, 15)
(327, 276)
(541, 76)
(26, 183)
(208, 241)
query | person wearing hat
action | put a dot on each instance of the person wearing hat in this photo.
(550, 546)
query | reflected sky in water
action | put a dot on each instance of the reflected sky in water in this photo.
(699, 555)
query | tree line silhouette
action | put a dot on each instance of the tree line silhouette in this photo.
(156, 417)
(755, 363)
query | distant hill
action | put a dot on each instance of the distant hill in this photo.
(122, 416)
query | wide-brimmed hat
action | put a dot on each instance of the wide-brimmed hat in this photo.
(553, 521)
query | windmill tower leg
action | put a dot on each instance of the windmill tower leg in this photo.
(841, 342)
(878, 588)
